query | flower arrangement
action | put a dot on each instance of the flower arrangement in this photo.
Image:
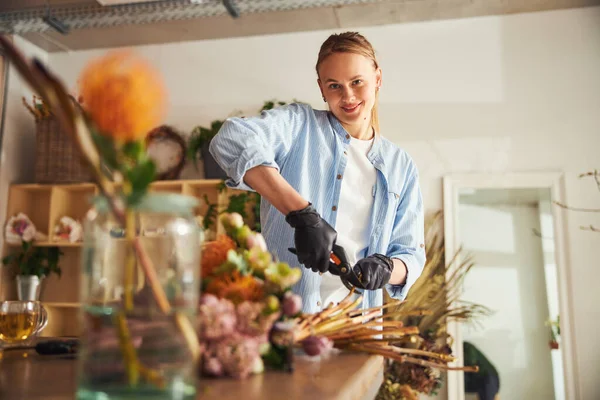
(246, 294)
(250, 319)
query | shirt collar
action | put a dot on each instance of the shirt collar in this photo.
(375, 154)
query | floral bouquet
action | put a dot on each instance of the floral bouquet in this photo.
(250, 319)
(246, 298)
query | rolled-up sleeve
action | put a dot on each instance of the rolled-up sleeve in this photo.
(407, 242)
(245, 143)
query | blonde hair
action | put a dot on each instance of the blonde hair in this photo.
(351, 42)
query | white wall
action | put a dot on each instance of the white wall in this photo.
(510, 93)
(18, 143)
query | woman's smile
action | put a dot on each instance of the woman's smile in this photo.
(352, 108)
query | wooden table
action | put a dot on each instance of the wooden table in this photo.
(342, 376)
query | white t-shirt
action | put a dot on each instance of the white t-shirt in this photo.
(354, 215)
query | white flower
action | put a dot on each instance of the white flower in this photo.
(20, 228)
(69, 228)
(29, 233)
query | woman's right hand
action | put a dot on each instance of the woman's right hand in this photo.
(313, 237)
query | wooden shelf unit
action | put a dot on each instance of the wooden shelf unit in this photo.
(45, 205)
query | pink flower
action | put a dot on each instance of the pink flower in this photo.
(292, 304)
(212, 366)
(209, 300)
(216, 319)
(256, 240)
(19, 226)
(251, 320)
(316, 345)
(238, 355)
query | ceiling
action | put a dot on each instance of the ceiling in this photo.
(211, 21)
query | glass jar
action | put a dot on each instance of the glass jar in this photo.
(142, 344)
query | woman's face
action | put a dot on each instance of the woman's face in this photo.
(349, 81)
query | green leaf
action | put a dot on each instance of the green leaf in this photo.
(106, 148)
(140, 176)
(211, 214)
(8, 259)
(237, 204)
(221, 187)
(199, 137)
(133, 150)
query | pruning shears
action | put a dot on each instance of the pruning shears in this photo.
(340, 266)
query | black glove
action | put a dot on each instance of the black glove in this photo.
(373, 271)
(313, 238)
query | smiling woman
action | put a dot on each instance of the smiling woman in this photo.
(329, 178)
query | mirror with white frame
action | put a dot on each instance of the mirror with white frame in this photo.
(512, 230)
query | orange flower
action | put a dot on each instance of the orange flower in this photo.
(214, 254)
(123, 94)
(236, 288)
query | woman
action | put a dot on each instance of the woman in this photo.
(317, 170)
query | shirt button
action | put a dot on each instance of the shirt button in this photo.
(347, 136)
(339, 176)
(345, 153)
(319, 303)
(334, 208)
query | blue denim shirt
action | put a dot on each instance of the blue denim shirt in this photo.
(307, 147)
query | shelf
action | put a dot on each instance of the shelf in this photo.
(50, 244)
(45, 204)
(34, 201)
(61, 304)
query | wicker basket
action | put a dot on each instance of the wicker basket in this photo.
(57, 159)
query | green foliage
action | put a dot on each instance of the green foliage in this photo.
(211, 214)
(270, 104)
(131, 160)
(199, 137)
(39, 261)
(238, 202)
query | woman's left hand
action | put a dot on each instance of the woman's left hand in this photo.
(373, 271)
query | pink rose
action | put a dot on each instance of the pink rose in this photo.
(292, 304)
(256, 240)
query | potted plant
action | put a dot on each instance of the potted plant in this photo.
(33, 264)
(198, 149)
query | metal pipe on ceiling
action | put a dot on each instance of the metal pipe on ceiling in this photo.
(97, 16)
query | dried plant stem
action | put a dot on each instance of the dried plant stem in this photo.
(590, 228)
(578, 209)
(152, 376)
(386, 351)
(130, 260)
(129, 355)
(422, 353)
(595, 174)
(183, 323)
